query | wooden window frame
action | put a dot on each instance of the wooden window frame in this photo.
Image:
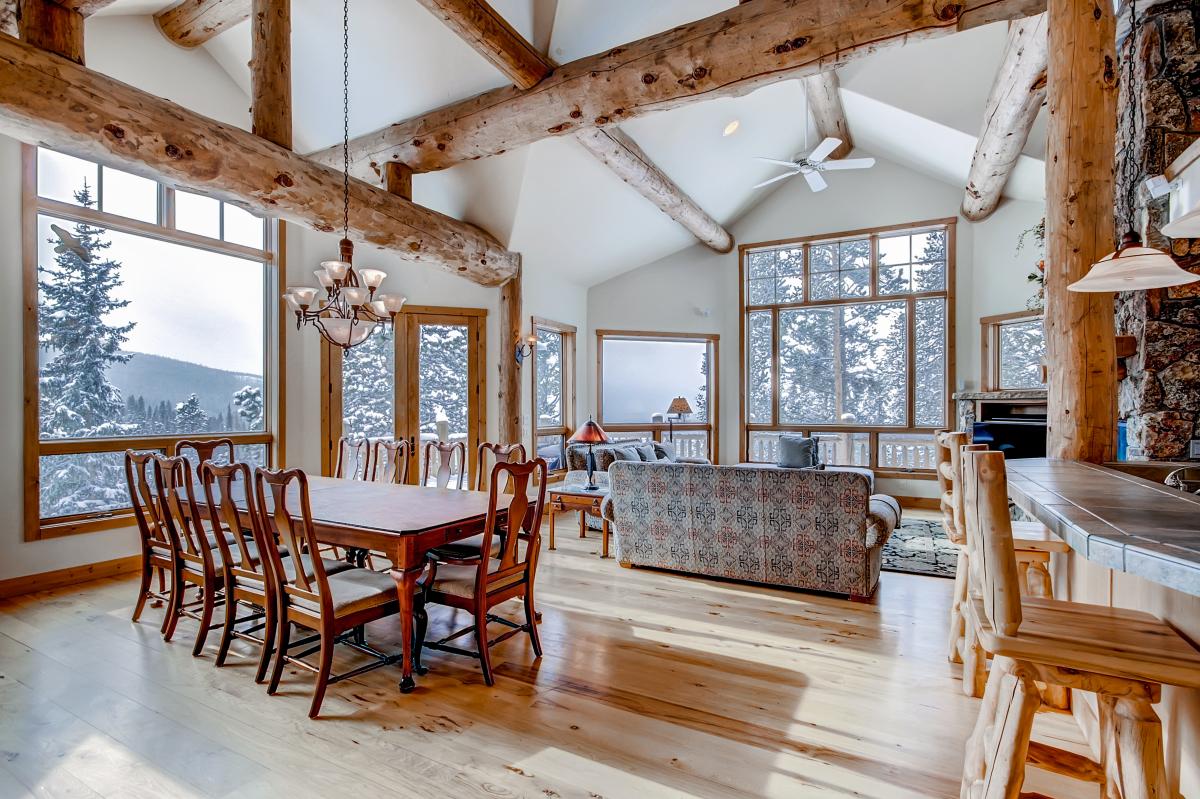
(873, 234)
(989, 340)
(36, 528)
(569, 355)
(656, 429)
(331, 381)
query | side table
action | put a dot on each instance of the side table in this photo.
(577, 498)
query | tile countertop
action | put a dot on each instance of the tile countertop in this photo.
(1115, 519)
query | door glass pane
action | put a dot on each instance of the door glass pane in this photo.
(549, 378)
(145, 337)
(1022, 347)
(61, 177)
(368, 383)
(758, 372)
(807, 378)
(444, 384)
(129, 195)
(642, 377)
(930, 363)
(243, 227)
(196, 214)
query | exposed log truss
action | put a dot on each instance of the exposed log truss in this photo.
(193, 22)
(825, 104)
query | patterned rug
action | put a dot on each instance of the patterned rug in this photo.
(919, 546)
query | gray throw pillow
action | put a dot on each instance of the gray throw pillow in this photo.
(625, 454)
(797, 452)
(665, 450)
(646, 452)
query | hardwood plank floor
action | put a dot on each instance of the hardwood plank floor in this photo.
(652, 685)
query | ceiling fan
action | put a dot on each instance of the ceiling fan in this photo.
(814, 164)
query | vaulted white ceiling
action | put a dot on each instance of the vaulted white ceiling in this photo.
(919, 105)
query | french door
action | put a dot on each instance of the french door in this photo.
(425, 381)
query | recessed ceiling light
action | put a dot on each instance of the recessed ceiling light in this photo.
(731, 128)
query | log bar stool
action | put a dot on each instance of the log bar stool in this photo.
(1122, 656)
(1032, 547)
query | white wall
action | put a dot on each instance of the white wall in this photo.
(670, 295)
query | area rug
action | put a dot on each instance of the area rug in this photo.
(919, 546)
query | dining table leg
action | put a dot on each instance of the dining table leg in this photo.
(406, 585)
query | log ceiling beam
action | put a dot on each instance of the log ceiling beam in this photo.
(1017, 95)
(47, 100)
(825, 104)
(724, 55)
(623, 156)
(478, 24)
(191, 23)
(490, 35)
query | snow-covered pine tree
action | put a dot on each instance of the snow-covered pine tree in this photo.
(549, 378)
(190, 417)
(368, 388)
(77, 297)
(443, 369)
(249, 402)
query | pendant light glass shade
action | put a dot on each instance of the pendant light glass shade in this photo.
(1133, 267)
(1185, 227)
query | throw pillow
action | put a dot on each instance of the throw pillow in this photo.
(665, 450)
(626, 454)
(797, 452)
(604, 458)
(646, 452)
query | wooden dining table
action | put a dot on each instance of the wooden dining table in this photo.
(403, 522)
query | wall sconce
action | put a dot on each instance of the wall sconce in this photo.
(524, 348)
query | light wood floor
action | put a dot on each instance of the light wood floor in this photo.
(652, 685)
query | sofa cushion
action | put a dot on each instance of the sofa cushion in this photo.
(629, 453)
(646, 452)
(665, 450)
(797, 452)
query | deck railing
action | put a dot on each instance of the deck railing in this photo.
(897, 451)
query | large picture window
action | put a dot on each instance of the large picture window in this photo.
(640, 374)
(553, 377)
(846, 337)
(1013, 346)
(138, 333)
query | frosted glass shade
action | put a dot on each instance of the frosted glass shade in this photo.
(337, 269)
(355, 296)
(372, 278)
(324, 279)
(1132, 269)
(303, 294)
(347, 332)
(291, 302)
(378, 308)
(1185, 227)
(392, 303)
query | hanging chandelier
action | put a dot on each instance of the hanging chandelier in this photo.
(353, 308)
(1133, 266)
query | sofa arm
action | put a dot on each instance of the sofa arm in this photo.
(883, 517)
(698, 461)
(607, 511)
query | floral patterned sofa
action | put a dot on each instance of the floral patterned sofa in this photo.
(817, 530)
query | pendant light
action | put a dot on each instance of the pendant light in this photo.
(1133, 266)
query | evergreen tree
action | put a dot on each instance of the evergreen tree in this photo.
(190, 417)
(549, 378)
(700, 411)
(442, 360)
(249, 402)
(228, 418)
(367, 388)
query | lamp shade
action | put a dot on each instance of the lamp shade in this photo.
(589, 433)
(1131, 268)
(679, 405)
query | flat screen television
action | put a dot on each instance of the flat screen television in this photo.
(1016, 439)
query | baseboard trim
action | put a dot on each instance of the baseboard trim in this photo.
(59, 578)
(919, 503)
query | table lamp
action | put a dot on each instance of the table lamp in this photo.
(591, 434)
(679, 406)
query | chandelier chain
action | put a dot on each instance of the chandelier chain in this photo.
(346, 118)
(1130, 166)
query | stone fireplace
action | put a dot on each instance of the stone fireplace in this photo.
(1160, 394)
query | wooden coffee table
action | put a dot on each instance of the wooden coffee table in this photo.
(575, 497)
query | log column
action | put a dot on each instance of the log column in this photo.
(271, 71)
(1080, 346)
(510, 373)
(51, 27)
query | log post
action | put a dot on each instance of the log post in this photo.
(1080, 348)
(271, 71)
(51, 27)
(510, 372)
(825, 105)
(397, 179)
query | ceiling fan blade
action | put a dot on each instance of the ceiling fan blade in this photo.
(792, 164)
(815, 181)
(777, 177)
(849, 163)
(824, 149)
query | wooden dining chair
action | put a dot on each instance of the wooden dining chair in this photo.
(353, 458)
(446, 453)
(477, 585)
(196, 553)
(200, 450)
(1124, 657)
(247, 581)
(1032, 545)
(501, 453)
(389, 462)
(157, 557)
(335, 605)
(472, 547)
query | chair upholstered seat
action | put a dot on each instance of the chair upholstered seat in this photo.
(467, 548)
(219, 560)
(331, 566)
(460, 580)
(354, 590)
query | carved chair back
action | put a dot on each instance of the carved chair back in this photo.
(517, 561)
(180, 513)
(284, 513)
(200, 450)
(224, 484)
(389, 462)
(353, 458)
(143, 495)
(989, 538)
(446, 459)
(501, 453)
